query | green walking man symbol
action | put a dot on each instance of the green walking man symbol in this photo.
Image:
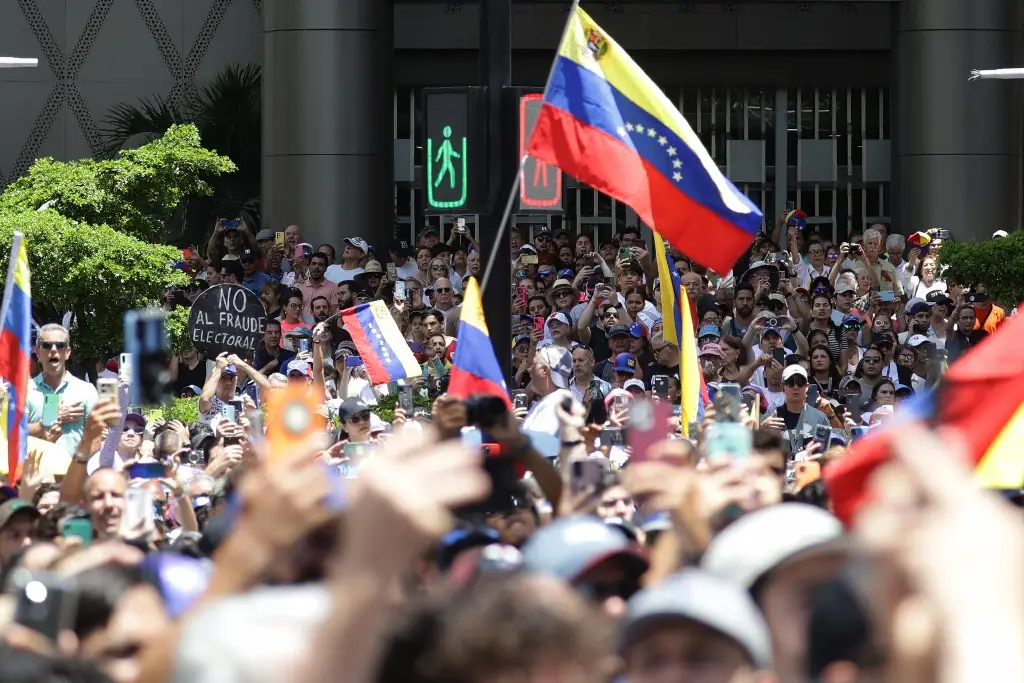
(445, 154)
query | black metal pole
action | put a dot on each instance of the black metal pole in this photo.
(502, 165)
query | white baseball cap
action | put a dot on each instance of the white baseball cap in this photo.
(792, 371)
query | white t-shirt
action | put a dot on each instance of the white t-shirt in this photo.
(542, 416)
(336, 273)
(407, 270)
(215, 406)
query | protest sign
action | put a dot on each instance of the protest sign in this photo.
(227, 318)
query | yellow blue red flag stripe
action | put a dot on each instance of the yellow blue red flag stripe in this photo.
(475, 369)
(15, 352)
(380, 343)
(605, 122)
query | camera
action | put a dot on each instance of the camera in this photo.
(771, 322)
(485, 411)
(856, 249)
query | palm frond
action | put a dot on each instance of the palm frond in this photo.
(149, 118)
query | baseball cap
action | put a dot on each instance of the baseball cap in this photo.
(560, 362)
(999, 233)
(13, 507)
(919, 307)
(296, 365)
(528, 248)
(560, 317)
(711, 350)
(201, 436)
(570, 546)
(793, 371)
(542, 230)
(634, 384)
(194, 388)
(692, 595)
(938, 297)
(137, 418)
(760, 541)
(977, 298)
(248, 255)
(775, 296)
(230, 370)
(401, 248)
(618, 329)
(847, 381)
(625, 362)
(264, 234)
(357, 242)
(918, 339)
(520, 339)
(771, 330)
(709, 331)
(636, 330)
(351, 406)
(844, 285)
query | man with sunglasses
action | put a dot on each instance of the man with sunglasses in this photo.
(872, 363)
(77, 397)
(800, 419)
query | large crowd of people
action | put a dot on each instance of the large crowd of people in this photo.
(587, 529)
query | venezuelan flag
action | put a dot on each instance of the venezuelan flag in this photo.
(475, 369)
(981, 396)
(605, 122)
(380, 344)
(15, 353)
(678, 329)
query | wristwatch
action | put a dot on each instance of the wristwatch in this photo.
(81, 458)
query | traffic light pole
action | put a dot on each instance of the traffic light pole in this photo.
(502, 170)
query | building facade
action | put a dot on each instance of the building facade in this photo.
(853, 111)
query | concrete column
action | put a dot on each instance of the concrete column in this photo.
(957, 144)
(328, 82)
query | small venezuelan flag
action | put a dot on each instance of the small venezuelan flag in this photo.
(981, 395)
(15, 352)
(605, 122)
(380, 344)
(678, 329)
(475, 369)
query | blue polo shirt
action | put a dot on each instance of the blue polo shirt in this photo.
(71, 390)
(254, 283)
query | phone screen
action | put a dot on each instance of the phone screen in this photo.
(612, 436)
(728, 441)
(405, 400)
(624, 254)
(520, 399)
(727, 402)
(400, 291)
(790, 206)
(279, 239)
(146, 470)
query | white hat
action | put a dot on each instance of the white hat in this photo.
(634, 384)
(999, 233)
(560, 317)
(915, 301)
(358, 242)
(793, 370)
(918, 339)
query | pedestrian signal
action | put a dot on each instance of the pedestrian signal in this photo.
(453, 150)
(540, 184)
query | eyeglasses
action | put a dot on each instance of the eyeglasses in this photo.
(46, 345)
(815, 252)
(795, 383)
(360, 417)
(443, 290)
(659, 349)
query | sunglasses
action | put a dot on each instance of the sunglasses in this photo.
(795, 383)
(135, 430)
(872, 359)
(360, 417)
(443, 290)
(46, 346)
(438, 267)
(599, 591)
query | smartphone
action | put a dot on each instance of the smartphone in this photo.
(609, 282)
(796, 442)
(45, 603)
(823, 436)
(460, 226)
(694, 429)
(138, 511)
(400, 290)
(942, 234)
(292, 420)
(648, 424)
(77, 527)
(753, 404)
(124, 368)
(812, 395)
(587, 474)
(227, 411)
(529, 259)
(238, 405)
(279, 239)
(659, 386)
(303, 346)
(355, 452)
(300, 253)
(728, 441)
(149, 347)
(727, 402)
(612, 436)
(146, 470)
(790, 206)
(625, 255)
(51, 409)
(392, 271)
(538, 322)
(621, 402)
(887, 297)
(405, 399)
(520, 399)
(596, 393)
(779, 355)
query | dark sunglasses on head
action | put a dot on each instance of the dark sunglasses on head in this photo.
(46, 346)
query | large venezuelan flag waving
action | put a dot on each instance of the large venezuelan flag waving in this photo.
(604, 121)
(981, 395)
(475, 369)
(15, 352)
(380, 344)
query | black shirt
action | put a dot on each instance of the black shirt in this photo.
(788, 416)
(263, 357)
(196, 376)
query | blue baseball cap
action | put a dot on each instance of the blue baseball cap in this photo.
(625, 362)
(636, 330)
(565, 273)
(519, 339)
(296, 365)
(709, 331)
(229, 370)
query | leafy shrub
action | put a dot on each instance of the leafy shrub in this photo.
(998, 263)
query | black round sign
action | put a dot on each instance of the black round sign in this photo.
(227, 318)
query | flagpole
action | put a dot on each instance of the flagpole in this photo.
(12, 266)
(522, 162)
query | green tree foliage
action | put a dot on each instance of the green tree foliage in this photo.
(177, 330)
(998, 263)
(135, 193)
(90, 251)
(184, 409)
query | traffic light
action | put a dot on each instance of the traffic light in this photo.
(540, 184)
(454, 150)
